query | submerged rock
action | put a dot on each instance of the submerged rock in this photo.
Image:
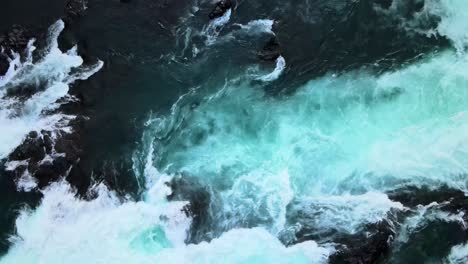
(271, 50)
(220, 8)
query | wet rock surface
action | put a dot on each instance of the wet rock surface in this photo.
(360, 249)
(220, 8)
(271, 50)
(444, 198)
(4, 64)
(15, 39)
(48, 156)
(189, 189)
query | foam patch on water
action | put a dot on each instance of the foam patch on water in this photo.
(51, 76)
(258, 26)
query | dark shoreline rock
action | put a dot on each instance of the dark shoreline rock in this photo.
(16, 38)
(4, 64)
(13, 40)
(365, 250)
(220, 8)
(199, 198)
(271, 50)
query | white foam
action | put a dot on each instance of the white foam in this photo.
(26, 182)
(458, 254)
(258, 26)
(276, 73)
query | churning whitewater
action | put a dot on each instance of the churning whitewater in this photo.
(49, 78)
(318, 163)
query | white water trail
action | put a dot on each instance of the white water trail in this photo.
(213, 29)
(276, 73)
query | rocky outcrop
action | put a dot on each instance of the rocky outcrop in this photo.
(16, 38)
(189, 189)
(449, 200)
(271, 50)
(13, 40)
(4, 65)
(220, 8)
(45, 156)
(361, 249)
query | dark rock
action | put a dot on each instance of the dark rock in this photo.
(413, 196)
(4, 65)
(46, 174)
(69, 148)
(16, 38)
(365, 250)
(48, 143)
(190, 189)
(33, 134)
(125, 1)
(74, 9)
(270, 51)
(32, 148)
(448, 199)
(430, 243)
(220, 8)
(22, 91)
